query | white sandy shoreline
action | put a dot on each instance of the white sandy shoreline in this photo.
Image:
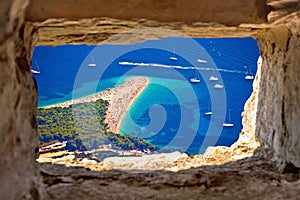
(120, 99)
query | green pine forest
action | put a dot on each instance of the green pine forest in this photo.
(82, 126)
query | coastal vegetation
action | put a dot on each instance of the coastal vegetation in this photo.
(83, 126)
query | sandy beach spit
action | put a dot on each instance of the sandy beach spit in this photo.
(120, 99)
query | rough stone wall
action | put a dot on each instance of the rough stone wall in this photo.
(278, 112)
(19, 175)
(76, 21)
(245, 11)
(249, 119)
(54, 32)
(272, 111)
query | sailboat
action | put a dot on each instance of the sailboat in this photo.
(249, 75)
(93, 63)
(228, 124)
(174, 58)
(218, 86)
(209, 112)
(201, 61)
(35, 69)
(196, 79)
(213, 77)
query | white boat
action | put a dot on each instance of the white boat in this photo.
(173, 57)
(195, 79)
(201, 61)
(249, 75)
(35, 70)
(208, 113)
(93, 63)
(218, 86)
(213, 78)
(228, 124)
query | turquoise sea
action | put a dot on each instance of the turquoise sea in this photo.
(171, 110)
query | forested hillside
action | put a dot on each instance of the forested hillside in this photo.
(83, 126)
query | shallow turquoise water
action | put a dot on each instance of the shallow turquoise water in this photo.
(170, 112)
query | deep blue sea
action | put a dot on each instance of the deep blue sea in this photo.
(171, 110)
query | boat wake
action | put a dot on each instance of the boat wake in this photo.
(179, 67)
